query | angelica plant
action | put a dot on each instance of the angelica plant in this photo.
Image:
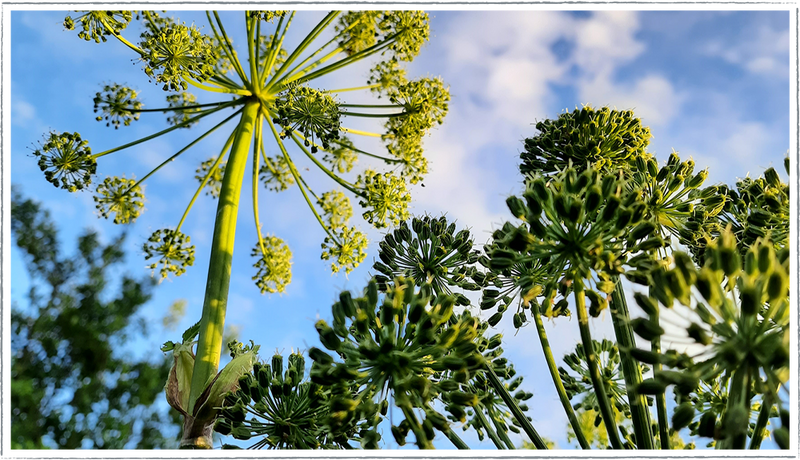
(265, 94)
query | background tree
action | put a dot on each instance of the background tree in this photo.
(70, 385)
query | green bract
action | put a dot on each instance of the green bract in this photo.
(67, 161)
(274, 264)
(603, 137)
(121, 197)
(117, 104)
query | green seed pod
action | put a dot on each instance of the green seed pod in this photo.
(517, 320)
(706, 286)
(708, 425)
(650, 387)
(750, 298)
(624, 217)
(318, 356)
(696, 332)
(348, 306)
(463, 399)
(777, 286)
(327, 336)
(729, 260)
(437, 420)
(645, 356)
(766, 256)
(782, 437)
(593, 199)
(534, 205)
(494, 319)
(682, 416)
(608, 186)
(539, 190)
(646, 329)
(516, 206)
(646, 303)
(399, 436)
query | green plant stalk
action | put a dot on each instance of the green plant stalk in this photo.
(456, 440)
(761, 422)
(501, 390)
(562, 393)
(489, 431)
(500, 431)
(661, 399)
(606, 410)
(422, 441)
(212, 323)
(631, 371)
(739, 395)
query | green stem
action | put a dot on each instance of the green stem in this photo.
(277, 79)
(227, 46)
(422, 441)
(631, 371)
(501, 390)
(553, 368)
(373, 115)
(456, 440)
(500, 431)
(258, 145)
(606, 411)
(172, 128)
(215, 89)
(489, 431)
(739, 395)
(212, 323)
(179, 108)
(761, 422)
(661, 399)
(275, 48)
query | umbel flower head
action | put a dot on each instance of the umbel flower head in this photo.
(96, 25)
(180, 114)
(274, 264)
(361, 30)
(347, 246)
(385, 197)
(173, 249)
(398, 345)
(286, 411)
(738, 313)
(267, 16)
(312, 113)
(341, 155)
(603, 137)
(429, 251)
(275, 173)
(117, 105)
(177, 53)
(121, 197)
(67, 161)
(336, 208)
(215, 171)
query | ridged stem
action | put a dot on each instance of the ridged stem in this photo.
(501, 390)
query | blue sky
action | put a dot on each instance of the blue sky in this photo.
(712, 85)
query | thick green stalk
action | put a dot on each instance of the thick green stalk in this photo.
(489, 431)
(456, 440)
(661, 399)
(562, 393)
(739, 395)
(631, 371)
(212, 323)
(761, 423)
(501, 390)
(606, 411)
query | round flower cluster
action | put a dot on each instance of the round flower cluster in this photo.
(180, 114)
(67, 161)
(313, 113)
(274, 265)
(118, 105)
(215, 175)
(348, 248)
(178, 53)
(404, 31)
(96, 25)
(121, 197)
(173, 249)
(603, 137)
(267, 16)
(276, 173)
(341, 155)
(385, 197)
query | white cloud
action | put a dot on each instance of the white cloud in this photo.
(23, 113)
(653, 98)
(764, 51)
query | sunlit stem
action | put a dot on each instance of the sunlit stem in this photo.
(606, 411)
(355, 88)
(489, 431)
(554, 374)
(252, 50)
(206, 179)
(359, 132)
(258, 145)
(456, 440)
(173, 157)
(301, 47)
(298, 180)
(218, 89)
(179, 108)
(212, 323)
(228, 47)
(761, 423)
(500, 431)
(661, 400)
(502, 391)
(126, 42)
(422, 441)
(640, 413)
(172, 128)
(294, 74)
(738, 395)
(275, 48)
(374, 115)
(374, 106)
(327, 171)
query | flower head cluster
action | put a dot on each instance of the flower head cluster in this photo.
(173, 249)
(181, 114)
(406, 31)
(121, 197)
(336, 208)
(737, 312)
(582, 226)
(429, 251)
(274, 265)
(603, 137)
(313, 113)
(399, 345)
(409, 151)
(276, 173)
(267, 16)
(385, 197)
(287, 411)
(348, 248)
(67, 161)
(96, 25)
(424, 100)
(176, 54)
(341, 155)
(388, 74)
(215, 173)
(117, 104)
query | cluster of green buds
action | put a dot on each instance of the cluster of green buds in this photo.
(184, 108)
(176, 54)
(117, 105)
(312, 113)
(429, 251)
(399, 345)
(174, 250)
(385, 197)
(121, 197)
(200, 413)
(286, 410)
(96, 25)
(274, 266)
(738, 312)
(211, 173)
(402, 33)
(67, 161)
(604, 137)
(582, 227)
